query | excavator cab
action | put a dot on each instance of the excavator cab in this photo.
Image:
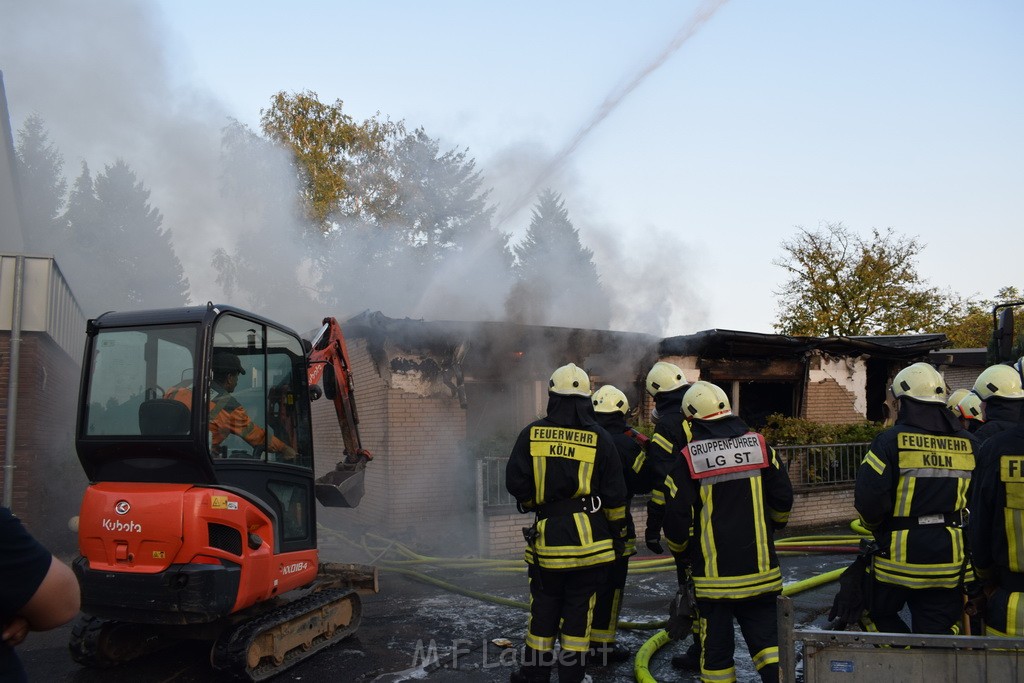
(194, 431)
(156, 408)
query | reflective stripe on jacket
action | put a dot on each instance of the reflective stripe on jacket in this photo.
(551, 463)
(733, 515)
(909, 486)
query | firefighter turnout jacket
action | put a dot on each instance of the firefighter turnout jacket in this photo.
(911, 491)
(569, 474)
(996, 530)
(629, 444)
(734, 492)
(671, 432)
(1001, 414)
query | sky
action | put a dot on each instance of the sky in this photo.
(688, 139)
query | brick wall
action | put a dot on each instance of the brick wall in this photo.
(420, 481)
(822, 506)
(371, 408)
(48, 481)
(961, 377)
(828, 402)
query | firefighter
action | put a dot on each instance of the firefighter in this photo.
(999, 387)
(996, 534)
(911, 490)
(611, 408)
(565, 469)
(953, 401)
(972, 412)
(666, 384)
(227, 415)
(732, 489)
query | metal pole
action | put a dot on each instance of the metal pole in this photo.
(12, 381)
(787, 645)
(481, 520)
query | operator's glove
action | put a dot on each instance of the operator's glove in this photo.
(849, 605)
(682, 612)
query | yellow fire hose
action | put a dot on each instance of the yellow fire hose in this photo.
(410, 559)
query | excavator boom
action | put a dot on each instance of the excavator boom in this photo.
(329, 365)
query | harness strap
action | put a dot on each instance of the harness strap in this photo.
(588, 504)
(954, 519)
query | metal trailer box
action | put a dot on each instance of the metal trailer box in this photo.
(862, 657)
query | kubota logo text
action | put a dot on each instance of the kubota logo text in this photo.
(294, 567)
(126, 526)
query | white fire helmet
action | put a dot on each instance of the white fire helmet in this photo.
(1001, 381)
(919, 382)
(608, 399)
(953, 402)
(970, 408)
(569, 380)
(706, 401)
(664, 377)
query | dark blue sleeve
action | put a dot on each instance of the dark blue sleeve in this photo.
(23, 564)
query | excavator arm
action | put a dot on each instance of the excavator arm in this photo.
(330, 368)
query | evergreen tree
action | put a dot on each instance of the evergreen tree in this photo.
(42, 187)
(119, 257)
(261, 270)
(426, 249)
(557, 280)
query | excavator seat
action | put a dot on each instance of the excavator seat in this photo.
(163, 417)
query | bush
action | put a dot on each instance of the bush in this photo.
(794, 431)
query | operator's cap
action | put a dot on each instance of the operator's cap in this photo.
(225, 361)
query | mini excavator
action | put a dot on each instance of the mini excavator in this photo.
(199, 521)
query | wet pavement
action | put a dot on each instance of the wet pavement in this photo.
(416, 630)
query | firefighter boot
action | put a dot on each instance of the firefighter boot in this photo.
(689, 660)
(603, 654)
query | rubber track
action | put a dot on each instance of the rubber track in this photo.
(229, 652)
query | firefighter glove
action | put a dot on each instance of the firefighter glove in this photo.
(682, 612)
(652, 534)
(618, 530)
(849, 604)
(653, 541)
(977, 597)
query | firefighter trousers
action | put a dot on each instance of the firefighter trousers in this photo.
(757, 619)
(561, 607)
(932, 610)
(609, 603)
(1004, 614)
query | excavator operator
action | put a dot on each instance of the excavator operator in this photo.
(227, 415)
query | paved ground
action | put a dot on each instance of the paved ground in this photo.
(415, 630)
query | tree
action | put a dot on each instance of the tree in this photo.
(430, 249)
(118, 255)
(557, 281)
(326, 143)
(972, 329)
(261, 269)
(844, 285)
(42, 186)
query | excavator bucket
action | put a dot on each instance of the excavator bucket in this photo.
(342, 487)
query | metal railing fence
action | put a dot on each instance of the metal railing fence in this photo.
(809, 466)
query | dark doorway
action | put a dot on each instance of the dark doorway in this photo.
(758, 400)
